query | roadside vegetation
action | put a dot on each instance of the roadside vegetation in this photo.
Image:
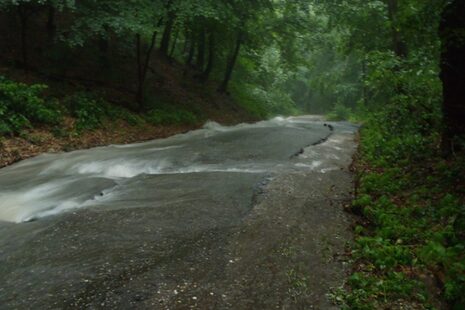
(409, 249)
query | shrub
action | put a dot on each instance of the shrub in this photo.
(339, 113)
(88, 110)
(21, 106)
(171, 116)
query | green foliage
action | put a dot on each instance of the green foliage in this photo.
(248, 101)
(408, 196)
(21, 106)
(367, 289)
(340, 113)
(88, 110)
(171, 116)
(91, 111)
(416, 221)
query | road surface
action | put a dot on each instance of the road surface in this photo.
(243, 217)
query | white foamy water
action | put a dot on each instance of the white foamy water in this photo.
(51, 184)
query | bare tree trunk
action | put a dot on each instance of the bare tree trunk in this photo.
(231, 64)
(186, 43)
(175, 42)
(364, 87)
(201, 50)
(165, 41)
(190, 55)
(142, 67)
(24, 21)
(140, 86)
(452, 31)
(51, 26)
(211, 58)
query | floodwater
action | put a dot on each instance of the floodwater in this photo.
(51, 184)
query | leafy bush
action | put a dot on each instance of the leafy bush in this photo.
(88, 110)
(91, 110)
(21, 106)
(171, 116)
(262, 103)
(249, 102)
(340, 113)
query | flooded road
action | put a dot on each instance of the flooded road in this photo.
(243, 217)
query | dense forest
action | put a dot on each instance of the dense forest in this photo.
(69, 69)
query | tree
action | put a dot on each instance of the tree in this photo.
(140, 20)
(452, 33)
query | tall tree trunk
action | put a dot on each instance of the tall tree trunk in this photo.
(186, 42)
(452, 32)
(165, 41)
(51, 26)
(175, 42)
(190, 55)
(211, 58)
(142, 67)
(103, 47)
(364, 87)
(201, 50)
(398, 45)
(24, 21)
(140, 84)
(231, 64)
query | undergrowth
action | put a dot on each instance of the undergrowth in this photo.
(22, 106)
(340, 113)
(411, 202)
(410, 243)
(90, 111)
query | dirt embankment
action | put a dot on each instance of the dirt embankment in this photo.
(38, 141)
(43, 140)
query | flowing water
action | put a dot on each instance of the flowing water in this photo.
(51, 184)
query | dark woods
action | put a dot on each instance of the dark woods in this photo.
(58, 37)
(452, 32)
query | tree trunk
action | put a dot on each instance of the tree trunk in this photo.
(140, 86)
(211, 58)
(175, 42)
(51, 26)
(165, 41)
(23, 18)
(186, 42)
(190, 55)
(142, 67)
(452, 31)
(201, 50)
(398, 45)
(364, 76)
(231, 64)
(103, 47)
